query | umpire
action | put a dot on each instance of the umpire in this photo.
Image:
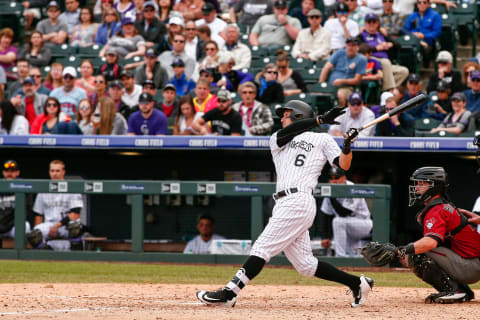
(447, 257)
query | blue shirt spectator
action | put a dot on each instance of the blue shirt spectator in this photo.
(473, 94)
(107, 30)
(425, 110)
(346, 67)
(425, 21)
(182, 84)
(147, 121)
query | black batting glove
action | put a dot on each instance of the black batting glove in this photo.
(350, 136)
(329, 116)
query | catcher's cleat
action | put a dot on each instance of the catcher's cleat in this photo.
(361, 293)
(447, 297)
(223, 297)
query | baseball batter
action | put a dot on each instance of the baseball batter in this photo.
(54, 211)
(299, 157)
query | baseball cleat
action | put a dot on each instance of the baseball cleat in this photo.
(447, 297)
(223, 297)
(361, 293)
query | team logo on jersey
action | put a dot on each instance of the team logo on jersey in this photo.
(302, 144)
(429, 223)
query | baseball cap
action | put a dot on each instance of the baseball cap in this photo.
(53, 4)
(280, 4)
(356, 96)
(111, 50)
(126, 73)
(352, 39)
(371, 16)
(145, 97)
(384, 97)
(170, 86)
(149, 4)
(413, 78)
(314, 12)
(204, 70)
(443, 85)
(10, 165)
(207, 8)
(475, 74)
(116, 83)
(342, 7)
(71, 71)
(223, 94)
(148, 82)
(176, 20)
(28, 80)
(151, 53)
(444, 56)
(178, 63)
(459, 96)
(126, 21)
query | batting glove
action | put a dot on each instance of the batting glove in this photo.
(350, 136)
(329, 116)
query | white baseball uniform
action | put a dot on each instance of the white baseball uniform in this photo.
(54, 207)
(476, 208)
(7, 201)
(348, 232)
(298, 165)
(199, 246)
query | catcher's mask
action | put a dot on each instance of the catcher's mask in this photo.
(427, 182)
(300, 110)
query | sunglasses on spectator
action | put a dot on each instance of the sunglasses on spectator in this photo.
(67, 76)
(99, 81)
(179, 41)
(84, 107)
(148, 87)
(190, 29)
(422, 2)
(371, 21)
(10, 165)
(36, 75)
(221, 100)
(385, 1)
(282, 67)
(148, 10)
(111, 14)
(314, 17)
(211, 49)
(356, 103)
(342, 12)
(52, 105)
(272, 72)
(476, 80)
(441, 91)
(248, 92)
(413, 82)
(335, 177)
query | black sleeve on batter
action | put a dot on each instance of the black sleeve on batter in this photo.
(286, 134)
(439, 241)
(336, 162)
(76, 210)
(339, 209)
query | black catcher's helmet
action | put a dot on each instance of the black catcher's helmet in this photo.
(427, 183)
(300, 110)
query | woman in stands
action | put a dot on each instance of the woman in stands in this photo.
(467, 68)
(165, 11)
(54, 78)
(210, 62)
(269, 89)
(87, 79)
(186, 116)
(84, 116)
(111, 122)
(457, 121)
(8, 53)
(127, 42)
(100, 7)
(11, 122)
(123, 7)
(291, 81)
(84, 33)
(36, 53)
(100, 90)
(109, 27)
(48, 121)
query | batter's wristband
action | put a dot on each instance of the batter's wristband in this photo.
(346, 148)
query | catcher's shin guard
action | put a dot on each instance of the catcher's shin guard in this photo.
(430, 272)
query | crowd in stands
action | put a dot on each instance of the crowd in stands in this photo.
(199, 67)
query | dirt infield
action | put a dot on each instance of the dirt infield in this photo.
(157, 301)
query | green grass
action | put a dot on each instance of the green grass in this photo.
(13, 271)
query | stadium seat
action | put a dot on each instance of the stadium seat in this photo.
(423, 126)
(305, 97)
(62, 51)
(235, 97)
(300, 63)
(123, 62)
(89, 52)
(72, 61)
(259, 63)
(258, 51)
(310, 76)
(409, 53)
(325, 95)
(11, 16)
(439, 7)
(467, 22)
(449, 37)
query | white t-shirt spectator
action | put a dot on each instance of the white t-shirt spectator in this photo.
(336, 30)
(198, 246)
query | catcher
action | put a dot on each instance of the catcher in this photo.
(447, 257)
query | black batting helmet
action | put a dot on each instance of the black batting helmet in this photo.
(300, 110)
(434, 179)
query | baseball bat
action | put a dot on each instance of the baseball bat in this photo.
(409, 104)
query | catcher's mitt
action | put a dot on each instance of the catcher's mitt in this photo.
(378, 254)
(75, 229)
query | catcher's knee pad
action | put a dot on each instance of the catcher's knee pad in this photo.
(430, 272)
(35, 238)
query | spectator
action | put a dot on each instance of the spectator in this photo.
(36, 53)
(215, 24)
(270, 90)
(313, 43)
(373, 71)
(102, 6)
(149, 87)
(69, 96)
(111, 70)
(127, 43)
(54, 30)
(210, 61)
(176, 25)
(457, 121)
(391, 22)
(291, 80)
(240, 52)
(425, 110)
(251, 10)
(87, 80)
(148, 120)
(225, 121)
(31, 11)
(393, 75)
(167, 57)
(275, 29)
(132, 91)
(48, 121)
(467, 69)
(395, 125)
(207, 74)
(108, 28)
(151, 70)
(190, 9)
(182, 84)
(194, 46)
(201, 243)
(123, 7)
(341, 28)
(84, 33)
(83, 117)
(205, 34)
(186, 117)
(165, 10)
(170, 104)
(36, 74)
(8, 53)
(231, 79)
(31, 103)
(452, 77)
(71, 16)
(256, 117)
(441, 97)
(10, 171)
(301, 13)
(3, 82)
(138, 12)
(12, 122)
(425, 24)
(151, 28)
(204, 101)
(347, 69)
(54, 78)
(349, 219)
(111, 122)
(115, 91)
(23, 70)
(100, 90)
(358, 12)
(473, 94)
(356, 116)
(53, 212)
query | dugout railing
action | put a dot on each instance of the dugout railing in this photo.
(379, 194)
